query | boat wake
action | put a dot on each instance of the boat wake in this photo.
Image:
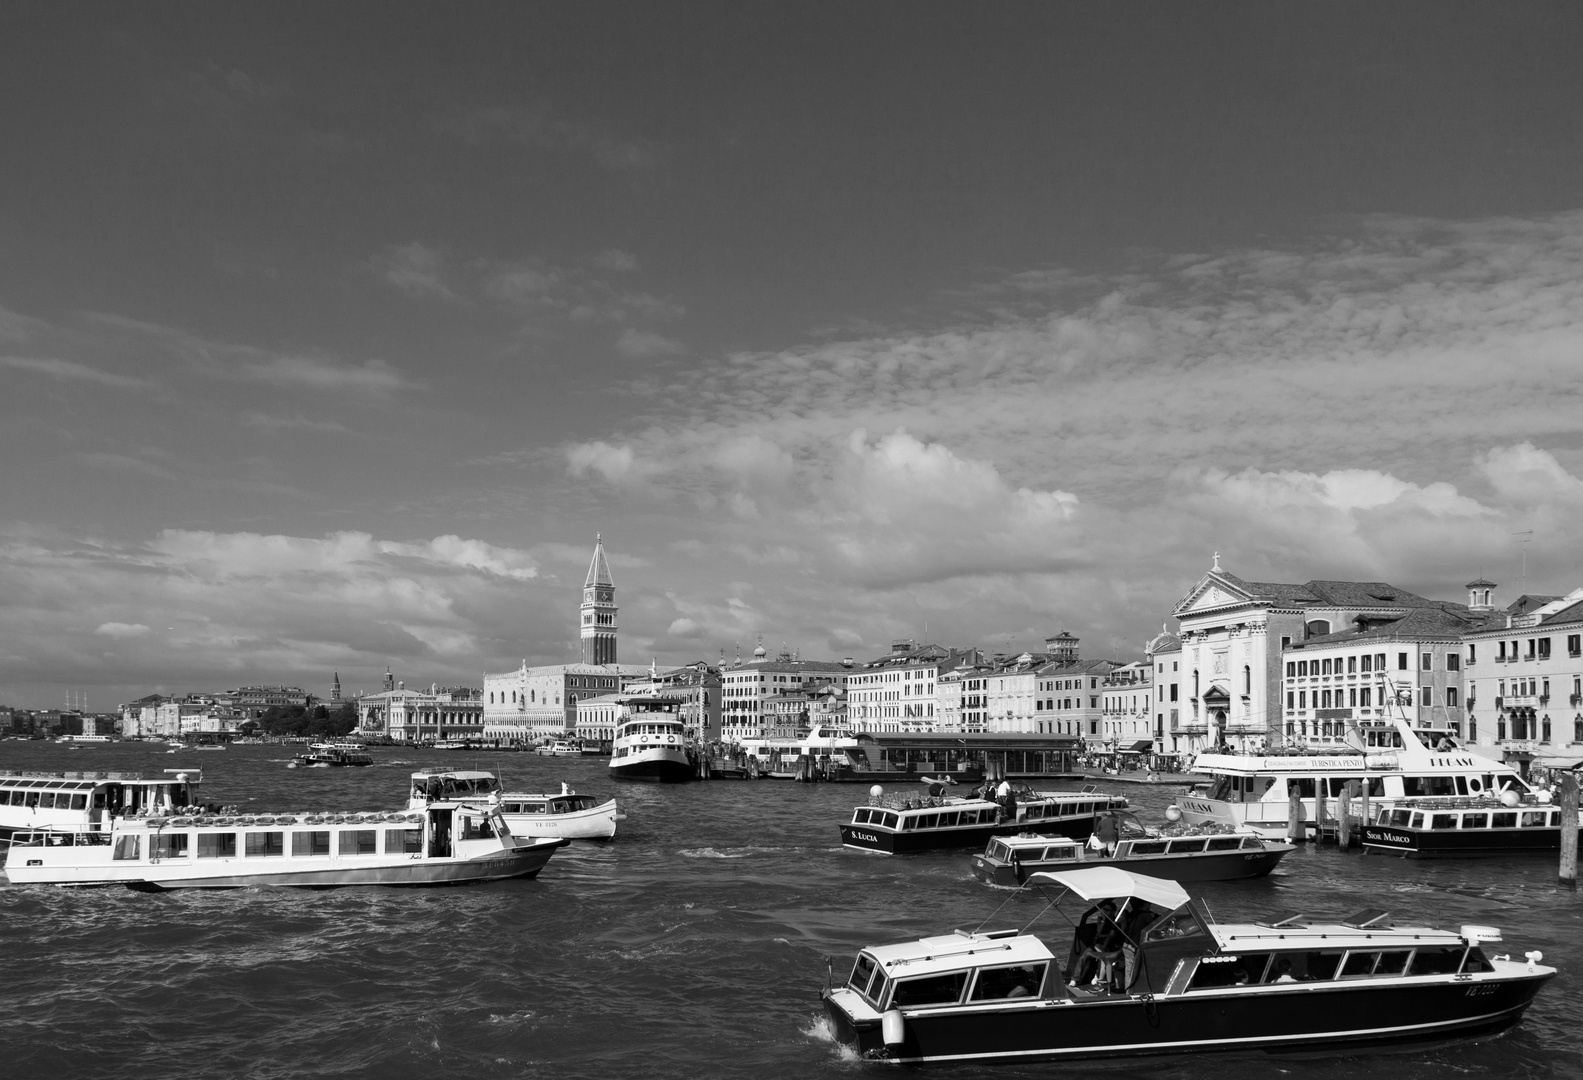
(820, 1030)
(727, 853)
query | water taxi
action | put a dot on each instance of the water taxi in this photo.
(568, 815)
(445, 844)
(330, 758)
(559, 748)
(1452, 828)
(85, 739)
(1393, 761)
(1186, 854)
(939, 823)
(88, 801)
(652, 742)
(1147, 970)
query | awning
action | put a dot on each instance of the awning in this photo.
(1142, 746)
(1114, 883)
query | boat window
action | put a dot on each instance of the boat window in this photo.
(403, 841)
(998, 850)
(1533, 819)
(265, 844)
(999, 984)
(1034, 811)
(168, 846)
(1252, 843)
(216, 845)
(357, 842)
(79, 801)
(1316, 966)
(1393, 962)
(927, 821)
(475, 828)
(943, 989)
(947, 820)
(1195, 843)
(1221, 788)
(1504, 821)
(1180, 924)
(1398, 817)
(1436, 961)
(1429, 785)
(126, 849)
(32, 798)
(862, 972)
(860, 816)
(1417, 822)
(1475, 821)
(1224, 843)
(1063, 852)
(1443, 821)
(310, 842)
(1476, 961)
(1148, 847)
(1358, 965)
(1217, 972)
(1555, 819)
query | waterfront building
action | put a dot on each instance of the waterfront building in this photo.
(1401, 663)
(253, 701)
(415, 716)
(899, 691)
(1164, 651)
(1524, 678)
(1235, 633)
(750, 691)
(1069, 701)
(533, 703)
(1009, 694)
(1126, 706)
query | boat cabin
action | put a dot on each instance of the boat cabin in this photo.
(437, 782)
(513, 803)
(89, 801)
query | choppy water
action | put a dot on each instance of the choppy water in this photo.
(692, 945)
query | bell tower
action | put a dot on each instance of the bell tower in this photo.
(599, 610)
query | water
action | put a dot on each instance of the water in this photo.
(692, 945)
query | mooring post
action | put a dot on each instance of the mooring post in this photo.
(1319, 809)
(1294, 812)
(1569, 829)
(1344, 813)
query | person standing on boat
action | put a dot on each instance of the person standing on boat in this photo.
(1106, 830)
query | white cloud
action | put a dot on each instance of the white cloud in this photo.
(617, 464)
(370, 377)
(68, 369)
(416, 269)
(121, 629)
(645, 344)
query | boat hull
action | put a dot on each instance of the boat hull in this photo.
(524, 860)
(1299, 1018)
(1210, 866)
(1463, 843)
(868, 838)
(654, 766)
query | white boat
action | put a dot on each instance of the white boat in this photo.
(568, 815)
(450, 744)
(559, 748)
(830, 749)
(90, 739)
(1394, 761)
(88, 801)
(446, 843)
(652, 742)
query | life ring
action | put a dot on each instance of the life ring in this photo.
(643, 738)
(670, 738)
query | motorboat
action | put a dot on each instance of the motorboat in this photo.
(1147, 970)
(334, 759)
(939, 822)
(559, 748)
(567, 814)
(89, 801)
(1466, 828)
(447, 843)
(652, 742)
(1178, 853)
(1394, 760)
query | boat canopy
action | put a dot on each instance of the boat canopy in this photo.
(1114, 883)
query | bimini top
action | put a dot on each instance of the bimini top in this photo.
(1113, 883)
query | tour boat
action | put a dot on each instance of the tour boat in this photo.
(936, 823)
(87, 801)
(334, 759)
(1395, 761)
(1191, 854)
(559, 748)
(1442, 828)
(88, 739)
(652, 742)
(1148, 970)
(568, 815)
(446, 843)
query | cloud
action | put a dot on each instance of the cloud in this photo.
(646, 344)
(539, 127)
(374, 377)
(415, 269)
(616, 464)
(121, 629)
(71, 370)
(255, 419)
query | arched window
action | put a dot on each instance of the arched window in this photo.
(1195, 684)
(1318, 627)
(1247, 681)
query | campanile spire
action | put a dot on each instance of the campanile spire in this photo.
(599, 609)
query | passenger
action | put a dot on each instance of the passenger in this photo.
(1104, 948)
(1106, 829)
(1283, 971)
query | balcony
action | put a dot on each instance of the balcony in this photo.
(1500, 702)
(1576, 699)
(1544, 699)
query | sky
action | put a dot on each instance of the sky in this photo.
(332, 335)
